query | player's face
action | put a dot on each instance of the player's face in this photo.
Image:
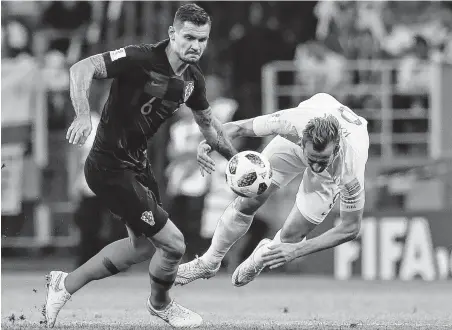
(318, 161)
(190, 41)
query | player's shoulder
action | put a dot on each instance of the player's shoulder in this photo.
(142, 51)
(323, 99)
(354, 151)
(317, 105)
(196, 71)
(355, 138)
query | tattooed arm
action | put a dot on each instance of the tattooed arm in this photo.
(111, 64)
(81, 76)
(214, 133)
(240, 128)
(280, 122)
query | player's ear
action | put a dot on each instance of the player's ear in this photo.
(171, 32)
(302, 142)
(336, 149)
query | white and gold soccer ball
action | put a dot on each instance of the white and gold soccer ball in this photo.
(248, 173)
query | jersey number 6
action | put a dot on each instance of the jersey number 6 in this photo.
(147, 107)
(349, 116)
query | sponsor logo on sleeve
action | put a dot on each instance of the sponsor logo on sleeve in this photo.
(117, 54)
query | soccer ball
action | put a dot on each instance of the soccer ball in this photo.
(248, 174)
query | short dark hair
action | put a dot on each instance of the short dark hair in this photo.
(321, 131)
(191, 12)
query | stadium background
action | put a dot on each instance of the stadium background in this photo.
(389, 61)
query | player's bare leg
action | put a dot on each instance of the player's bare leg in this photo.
(233, 224)
(294, 230)
(112, 259)
(169, 242)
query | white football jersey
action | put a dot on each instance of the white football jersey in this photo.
(347, 169)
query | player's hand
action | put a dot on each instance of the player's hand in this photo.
(206, 164)
(79, 130)
(279, 255)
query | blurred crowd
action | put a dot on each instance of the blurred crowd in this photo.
(412, 34)
(319, 36)
(51, 35)
(409, 32)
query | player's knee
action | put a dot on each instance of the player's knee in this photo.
(176, 245)
(177, 250)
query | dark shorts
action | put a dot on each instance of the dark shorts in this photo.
(131, 195)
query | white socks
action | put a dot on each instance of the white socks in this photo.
(230, 228)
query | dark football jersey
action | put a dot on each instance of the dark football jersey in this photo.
(144, 93)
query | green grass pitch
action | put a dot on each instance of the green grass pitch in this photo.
(271, 302)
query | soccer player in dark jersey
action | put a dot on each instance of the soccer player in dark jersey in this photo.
(150, 83)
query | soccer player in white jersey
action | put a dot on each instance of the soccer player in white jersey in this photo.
(321, 139)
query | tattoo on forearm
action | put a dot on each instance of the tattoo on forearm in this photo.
(81, 78)
(79, 90)
(100, 70)
(223, 145)
(204, 118)
(244, 131)
(214, 134)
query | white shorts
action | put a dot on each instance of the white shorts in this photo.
(316, 195)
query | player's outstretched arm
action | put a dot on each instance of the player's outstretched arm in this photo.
(347, 230)
(240, 128)
(275, 123)
(214, 133)
(81, 75)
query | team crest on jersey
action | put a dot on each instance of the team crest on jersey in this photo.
(148, 217)
(188, 90)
